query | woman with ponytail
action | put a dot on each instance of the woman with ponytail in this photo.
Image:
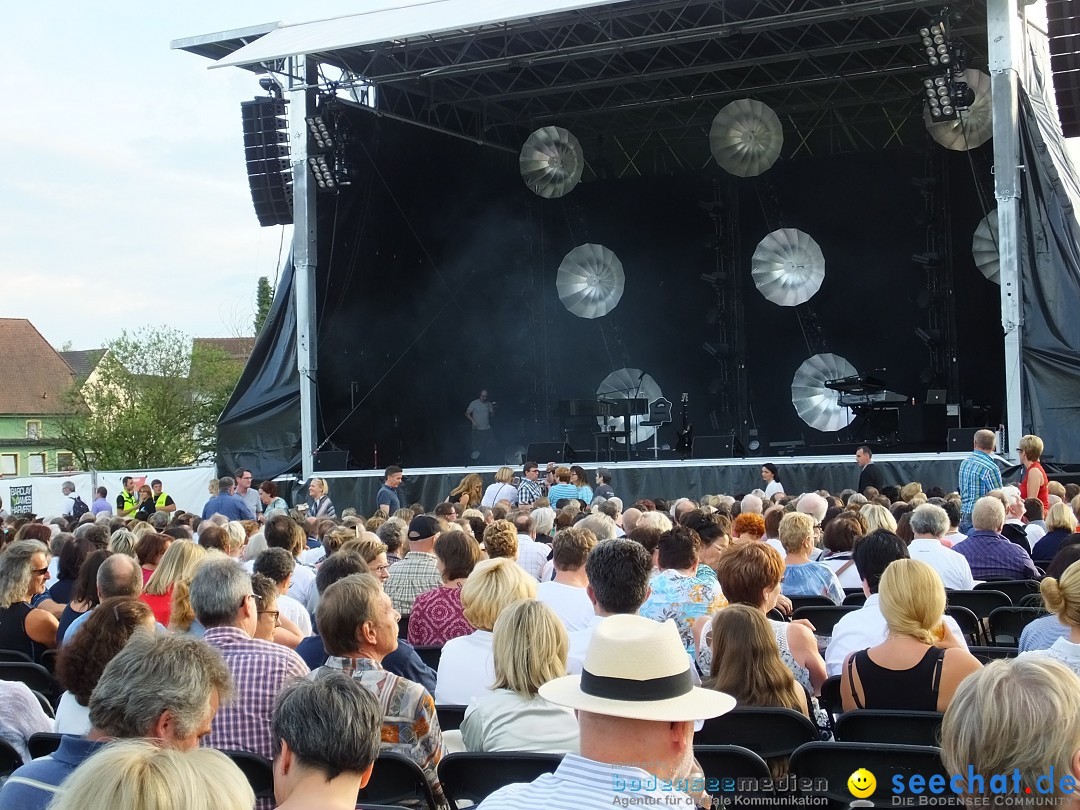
(920, 663)
(1062, 598)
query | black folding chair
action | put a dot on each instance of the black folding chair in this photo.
(473, 776)
(988, 654)
(768, 732)
(981, 603)
(777, 616)
(43, 743)
(893, 727)
(969, 623)
(16, 657)
(33, 675)
(1006, 624)
(450, 717)
(258, 771)
(397, 779)
(857, 598)
(731, 763)
(810, 601)
(430, 656)
(823, 618)
(1034, 600)
(48, 660)
(46, 705)
(830, 699)
(403, 627)
(1015, 589)
(831, 764)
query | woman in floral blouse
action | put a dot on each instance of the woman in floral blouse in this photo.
(437, 615)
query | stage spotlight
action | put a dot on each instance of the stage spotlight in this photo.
(320, 133)
(321, 171)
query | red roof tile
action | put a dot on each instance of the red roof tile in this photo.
(33, 376)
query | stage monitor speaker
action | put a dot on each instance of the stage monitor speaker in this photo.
(330, 460)
(961, 440)
(724, 446)
(543, 452)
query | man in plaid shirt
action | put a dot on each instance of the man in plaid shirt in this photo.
(979, 475)
(224, 604)
(530, 489)
(416, 572)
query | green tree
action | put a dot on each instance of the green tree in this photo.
(153, 402)
(264, 297)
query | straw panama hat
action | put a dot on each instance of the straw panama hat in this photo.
(637, 668)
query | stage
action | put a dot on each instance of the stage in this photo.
(692, 478)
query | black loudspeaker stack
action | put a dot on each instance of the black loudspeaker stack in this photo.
(961, 440)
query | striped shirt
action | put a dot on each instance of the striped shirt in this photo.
(528, 491)
(411, 576)
(979, 475)
(259, 670)
(410, 725)
(583, 784)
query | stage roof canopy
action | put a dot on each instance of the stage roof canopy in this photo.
(628, 78)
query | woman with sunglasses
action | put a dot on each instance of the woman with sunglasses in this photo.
(24, 570)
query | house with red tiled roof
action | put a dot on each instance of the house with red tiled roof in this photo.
(33, 380)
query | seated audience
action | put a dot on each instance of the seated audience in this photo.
(627, 734)
(118, 575)
(21, 717)
(163, 687)
(678, 592)
(929, 524)
(1060, 522)
(81, 662)
(751, 575)
(24, 571)
(268, 625)
(512, 716)
(565, 594)
(838, 538)
(223, 602)
(84, 596)
(178, 564)
(919, 665)
(803, 576)
(358, 625)
(279, 565)
(438, 615)
(319, 761)
(284, 532)
(1041, 633)
(1019, 717)
(466, 666)
(989, 553)
(416, 572)
(72, 555)
(138, 775)
(1062, 598)
(866, 627)
(877, 517)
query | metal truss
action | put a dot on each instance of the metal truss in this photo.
(662, 69)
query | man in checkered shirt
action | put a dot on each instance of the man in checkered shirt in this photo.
(416, 572)
(530, 488)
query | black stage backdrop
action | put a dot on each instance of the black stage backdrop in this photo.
(437, 278)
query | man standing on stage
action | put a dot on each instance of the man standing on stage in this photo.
(979, 475)
(869, 474)
(479, 414)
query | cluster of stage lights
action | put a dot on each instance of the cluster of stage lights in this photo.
(322, 172)
(320, 133)
(328, 167)
(946, 91)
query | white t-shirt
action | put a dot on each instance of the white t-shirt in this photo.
(955, 537)
(499, 492)
(952, 566)
(466, 669)
(570, 603)
(503, 720)
(296, 613)
(849, 578)
(481, 414)
(71, 718)
(773, 488)
(303, 583)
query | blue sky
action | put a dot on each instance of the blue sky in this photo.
(124, 200)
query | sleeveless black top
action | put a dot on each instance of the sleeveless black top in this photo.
(914, 689)
(13, 631)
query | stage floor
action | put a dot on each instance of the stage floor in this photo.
(692, 478)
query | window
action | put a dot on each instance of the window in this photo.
(9, 464)
(36, 463)
(65, 462)
(33, 429)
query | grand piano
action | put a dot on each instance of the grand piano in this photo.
(876, 408)
(579, 412)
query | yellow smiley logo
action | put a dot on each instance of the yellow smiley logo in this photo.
(861, 783)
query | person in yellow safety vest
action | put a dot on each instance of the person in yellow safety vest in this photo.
(163, 502)
(127, 502)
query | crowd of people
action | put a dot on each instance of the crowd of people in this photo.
(568, 622)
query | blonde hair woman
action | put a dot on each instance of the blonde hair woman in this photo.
(502, 490)
(1034, 483)
(1016, 715)
(1060, 523)
(321, 505)
(803, 576)
(177, 564)
(512, 716)
(467, 666)
(122, 542)
(1062, 598)
(877, 517)
(920, 664)
(468, 492)
(138, 775)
